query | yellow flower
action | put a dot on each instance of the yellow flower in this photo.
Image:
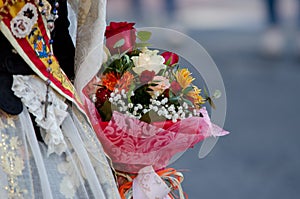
(184, 77)
(197, 99)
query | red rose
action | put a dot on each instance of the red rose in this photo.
(147, 76)
(166, 93)
(102, 95)
(117, 31)
(170, 58)
(175, 87)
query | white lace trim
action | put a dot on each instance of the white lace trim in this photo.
(32, 92)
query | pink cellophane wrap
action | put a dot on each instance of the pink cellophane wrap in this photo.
(133, 144)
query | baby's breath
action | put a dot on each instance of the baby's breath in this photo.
(160, 106)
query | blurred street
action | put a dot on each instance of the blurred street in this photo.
(260, 158)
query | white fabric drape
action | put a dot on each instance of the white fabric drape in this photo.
(28, 170)
(70, 163)
(89, 39)
(33, 143)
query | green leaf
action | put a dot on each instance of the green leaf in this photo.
(211, 103)
(187, 90)
(131, 88)
(144, 35)
(174, 99)
(188, 102)
(119, 43)
(142, 45)
(106, 111)
(127, 58)
(135, 52)
(205, 92)
(168, 62)
(152, 116)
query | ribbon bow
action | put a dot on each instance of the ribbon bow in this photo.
(150, 184)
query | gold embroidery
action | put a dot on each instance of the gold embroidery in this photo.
(10, 122)
(12, 7)
(84, 10)
(11, 163)
(6, 120)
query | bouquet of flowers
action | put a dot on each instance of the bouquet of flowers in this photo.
(148, 110)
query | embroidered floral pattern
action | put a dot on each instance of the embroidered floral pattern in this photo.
(11, 163)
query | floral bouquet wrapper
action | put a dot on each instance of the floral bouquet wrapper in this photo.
(145, 112)
(134, 145)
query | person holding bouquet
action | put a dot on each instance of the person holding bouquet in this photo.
(47, 146)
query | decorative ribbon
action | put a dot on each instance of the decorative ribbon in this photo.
(150, 184)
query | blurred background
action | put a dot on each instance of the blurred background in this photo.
(256, 46)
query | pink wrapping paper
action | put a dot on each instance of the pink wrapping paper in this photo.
(133, 144)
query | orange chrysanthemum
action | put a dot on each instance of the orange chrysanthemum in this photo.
(195, 95)
(184, 77)
(109, 80)
(125, 81)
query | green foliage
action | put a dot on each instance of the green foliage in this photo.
(135, 52)
(168, 62)
(142, 45)
(141, 96)
(205, 92)
(188, 102)
(209, 99)
(152, 116)
(174, 100)
(144, 36)
(120, 66)
(187, 90)
(211, 102)
(106, 111)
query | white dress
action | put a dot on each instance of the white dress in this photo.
(69, 162)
